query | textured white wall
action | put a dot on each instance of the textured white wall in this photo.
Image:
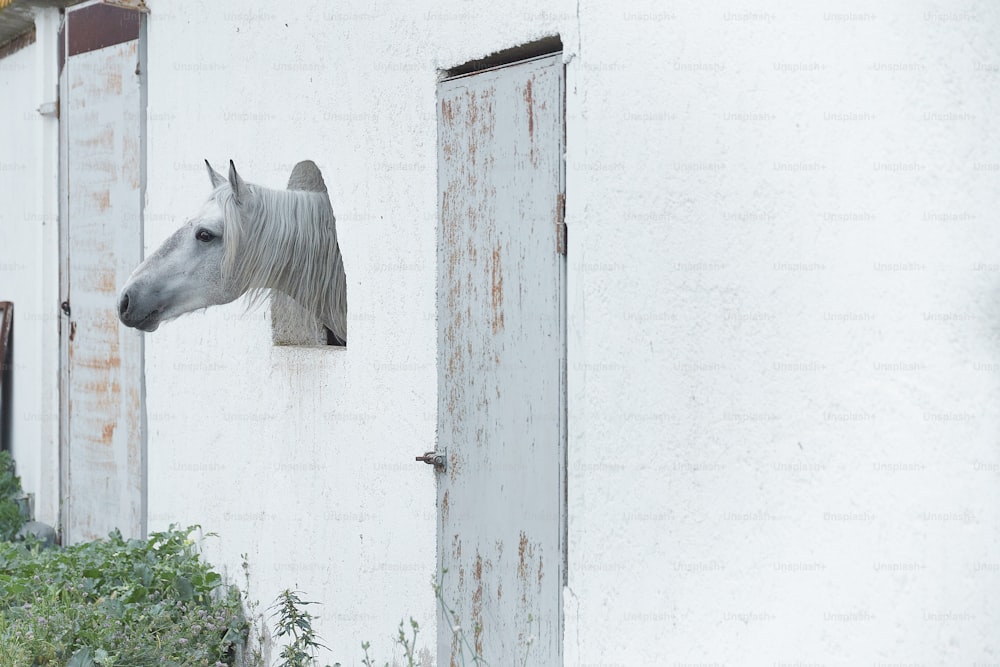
(784, 355)
(303, 458)
(29, 259)
(783, 320)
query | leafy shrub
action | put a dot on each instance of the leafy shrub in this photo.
(10, 488)
(117, 602)
(137, 603)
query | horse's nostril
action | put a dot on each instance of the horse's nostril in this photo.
(123, 305)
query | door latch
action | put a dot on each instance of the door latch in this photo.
(436, 459)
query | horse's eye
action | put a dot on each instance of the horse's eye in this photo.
(204, 235)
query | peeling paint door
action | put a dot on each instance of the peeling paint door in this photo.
(501, 350)
(102, 120)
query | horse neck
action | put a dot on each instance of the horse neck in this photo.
(290, 241)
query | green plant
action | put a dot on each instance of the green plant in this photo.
(117, 603)
(10, 488)
(255, 619)
(295, 622)
(408, 643)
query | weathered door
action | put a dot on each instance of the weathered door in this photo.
(501, 351)
(102, 120)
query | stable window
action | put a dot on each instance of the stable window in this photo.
(292, 325)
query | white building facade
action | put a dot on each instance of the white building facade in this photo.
(781, 319)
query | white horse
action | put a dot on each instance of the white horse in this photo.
(246, 238)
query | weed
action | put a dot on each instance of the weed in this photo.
(460, 640)
(255, 619)
(295, 622)
(408, 644)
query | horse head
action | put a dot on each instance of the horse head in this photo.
(246, 238)
(185, 273)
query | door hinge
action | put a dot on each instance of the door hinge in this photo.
(561, 231)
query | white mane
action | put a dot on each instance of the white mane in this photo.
(284, 240)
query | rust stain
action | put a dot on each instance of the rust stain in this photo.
(107, 433)
(103, 199)
(528, 97)
(105, 138)
(446, 111)
(477, 606)
(496, 296)
(112, 74)
(133, 444)
(522, 553)
(111, 398)
(130, 160)
(473, 118)
(491, 115)
(106, 282)
(114, 84)
(108, 323)
(112, 360)
(444, 507)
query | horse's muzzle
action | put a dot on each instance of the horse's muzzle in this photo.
(128, 316)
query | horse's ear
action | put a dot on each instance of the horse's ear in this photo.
(214, 176)
(235, 182)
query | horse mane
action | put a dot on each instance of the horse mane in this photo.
(284, 240)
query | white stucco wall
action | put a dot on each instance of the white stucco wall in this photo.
(784, 334)
(29, 259)
(782, 318)
(303, 458)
